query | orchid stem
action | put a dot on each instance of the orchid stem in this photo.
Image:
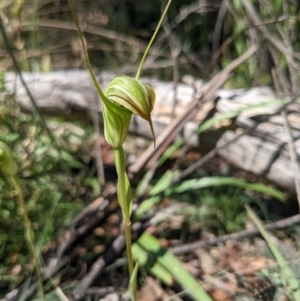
(138, 74)
(124, 202)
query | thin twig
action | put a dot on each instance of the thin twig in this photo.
(293, 155)
(175, 48)
(109, 255)
(268, 35)
(110, 34)
(219, 26)
(280, 225)
(98, 155)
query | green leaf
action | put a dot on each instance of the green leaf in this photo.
(146, 205)
(163, 183)
(116, 122)
(136, 97)
(170, 150)
(188, 283)
(194, 184)
(71, 160)
(94, 184)
(128, 195)
(292, 281)
(132, 286)
(149, 262)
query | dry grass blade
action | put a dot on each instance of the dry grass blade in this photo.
(292, 281)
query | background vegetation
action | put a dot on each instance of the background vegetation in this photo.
(198, 38)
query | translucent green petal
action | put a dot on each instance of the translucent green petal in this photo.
(7, 161)
(116, 123)
(133, 95)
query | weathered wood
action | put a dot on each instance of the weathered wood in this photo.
(72, 94)
(260, 157)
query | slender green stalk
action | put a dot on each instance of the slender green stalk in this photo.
(127, 225)
(138, 74)
(29, 235)
(123, 200)
(86, 56)
(95, 117)
(123, 97)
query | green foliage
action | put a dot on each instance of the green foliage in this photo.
(194, 184)
(125, 96)
(165, 265)
(132, 286)
(292, 283)
(125, 24)
(53, 194)
(7, 163)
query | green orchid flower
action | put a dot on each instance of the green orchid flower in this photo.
(125, 96)
(116, 122)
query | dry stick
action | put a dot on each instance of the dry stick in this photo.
(280, 225)
(215, 151)
(293, 155)
(291, 62)
(218, 27)
(216, 55)
(109, 255)
(49, 273)
(93, 214)
(99, 159)
(110, 34)
(268, 35)
(175, 47)
(282, 80)
(292, 66)
(184, 13)
(174, 128)
(100, 292)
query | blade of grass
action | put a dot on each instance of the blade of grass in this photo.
(132, 286)
(156, 269)
(163, 183)
(146, 206)
(151, 245)
(286, 270)
(194, 184)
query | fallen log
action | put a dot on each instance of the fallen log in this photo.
(263, 152)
